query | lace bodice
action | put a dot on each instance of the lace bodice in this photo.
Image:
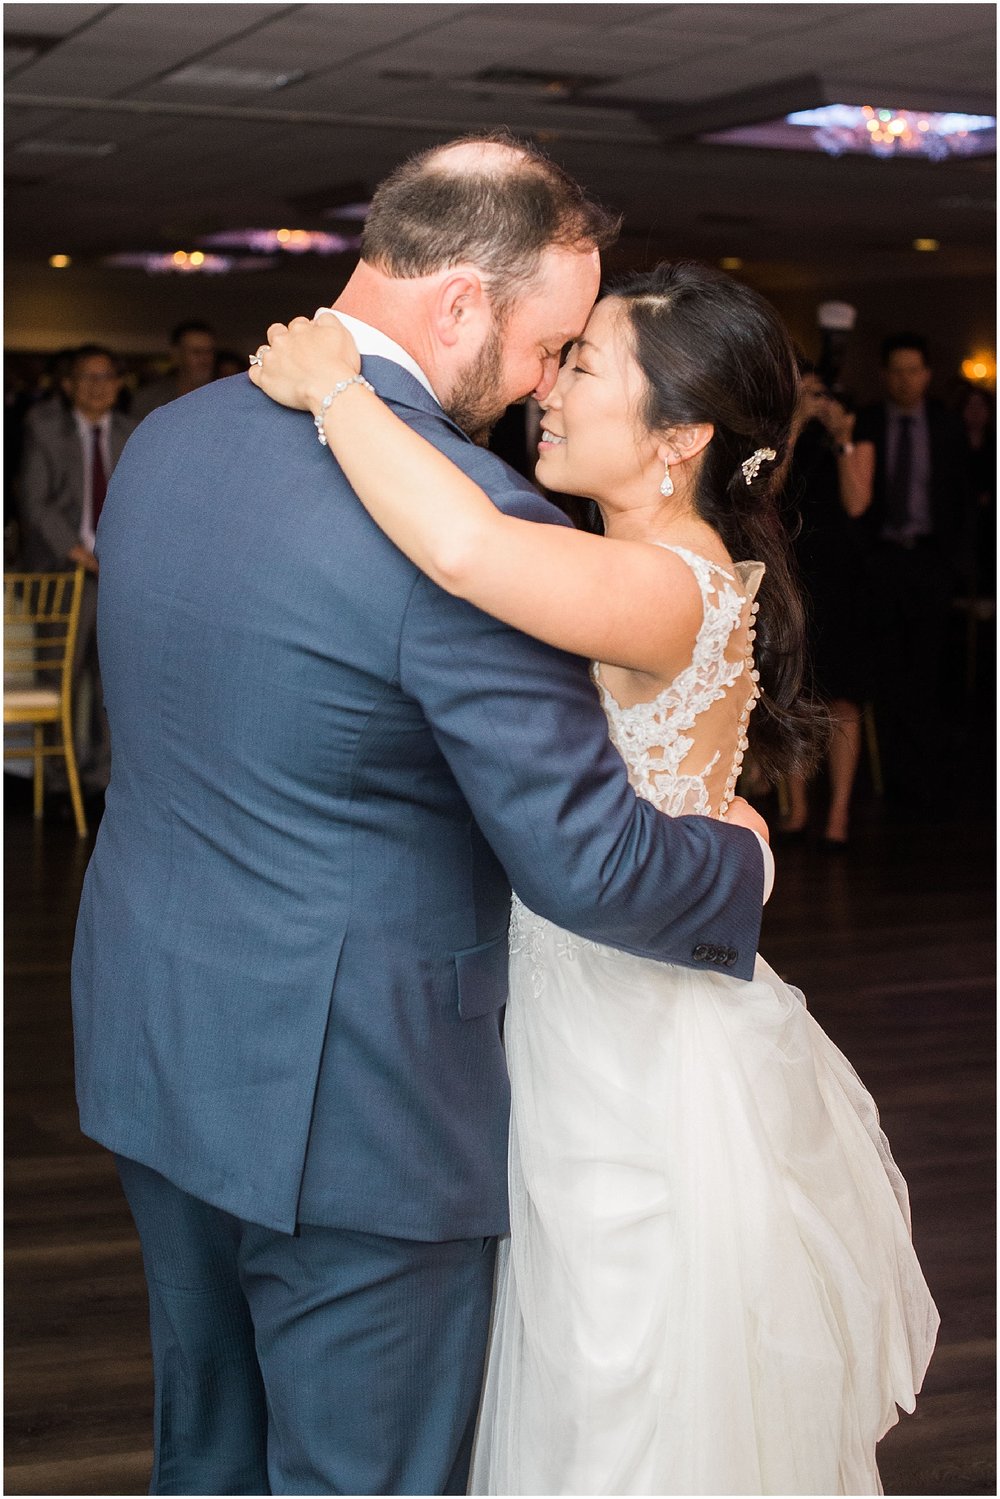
(684, 749)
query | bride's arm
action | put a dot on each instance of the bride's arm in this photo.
(626, 603)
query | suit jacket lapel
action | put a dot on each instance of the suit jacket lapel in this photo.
(118, 436)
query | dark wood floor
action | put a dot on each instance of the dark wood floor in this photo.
(893, 945)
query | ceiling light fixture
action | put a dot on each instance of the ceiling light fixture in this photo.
(59, 262)
(777, 122)
(184, 262)
(926, 244)
(731, 263)
(292, 241)
(841, 128)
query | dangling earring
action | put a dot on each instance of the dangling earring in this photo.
(667, 487)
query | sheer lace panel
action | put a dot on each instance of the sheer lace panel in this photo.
(684, 748)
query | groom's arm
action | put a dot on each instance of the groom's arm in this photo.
(523, 732)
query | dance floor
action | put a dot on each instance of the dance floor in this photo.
(893, 945)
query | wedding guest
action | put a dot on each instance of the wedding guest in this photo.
(834, 574)
(904, 473)
(69, 455)
(228, 362)
(193, 347)
(976, 413)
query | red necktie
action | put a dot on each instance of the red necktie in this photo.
(98, 478)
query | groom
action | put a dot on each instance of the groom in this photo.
(290, 964)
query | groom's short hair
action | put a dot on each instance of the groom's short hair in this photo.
(489, 200)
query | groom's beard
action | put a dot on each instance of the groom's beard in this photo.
(477, 402)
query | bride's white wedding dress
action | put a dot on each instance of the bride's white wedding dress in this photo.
(710, 1286)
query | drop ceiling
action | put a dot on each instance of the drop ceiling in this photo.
(108, 150)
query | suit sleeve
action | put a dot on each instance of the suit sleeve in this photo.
(522, 730)
(42, 501)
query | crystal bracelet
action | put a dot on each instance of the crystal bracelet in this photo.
(329, 399)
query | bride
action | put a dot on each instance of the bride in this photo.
(709, 1286)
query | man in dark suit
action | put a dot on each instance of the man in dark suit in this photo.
(907, 480)
(290, 965)
(69, 456)
(192, 345)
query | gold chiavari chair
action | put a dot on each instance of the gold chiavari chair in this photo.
(41, 612)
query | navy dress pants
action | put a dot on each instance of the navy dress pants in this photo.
(320, 1362)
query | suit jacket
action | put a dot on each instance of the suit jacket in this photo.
(949, 479)
(50, 484)
(291, 956)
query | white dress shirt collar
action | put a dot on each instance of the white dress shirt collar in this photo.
(372, 341)
(85, 427)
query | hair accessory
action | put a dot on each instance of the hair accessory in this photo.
(751, 468)
(667, 487)
(329, 399)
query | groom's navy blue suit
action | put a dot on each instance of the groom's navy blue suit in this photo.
(290, 963)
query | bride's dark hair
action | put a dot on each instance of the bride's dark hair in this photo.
(712, 350)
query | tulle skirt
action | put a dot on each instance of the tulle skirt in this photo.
(709, 1286)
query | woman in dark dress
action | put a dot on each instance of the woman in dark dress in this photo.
(980, 441)
(835, 581)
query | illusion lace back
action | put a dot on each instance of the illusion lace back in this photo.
(709, 1286)
(684, 750)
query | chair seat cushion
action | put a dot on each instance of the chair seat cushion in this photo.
(28, 698)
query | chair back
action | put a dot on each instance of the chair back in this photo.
(41, 613)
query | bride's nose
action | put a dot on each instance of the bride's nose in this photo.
(551, 398)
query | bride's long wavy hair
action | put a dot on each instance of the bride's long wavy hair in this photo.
(712, 350)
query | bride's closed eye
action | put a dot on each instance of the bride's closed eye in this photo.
(571, 359)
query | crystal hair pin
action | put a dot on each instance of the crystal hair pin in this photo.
(751, 468)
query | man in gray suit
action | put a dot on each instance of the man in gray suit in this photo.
(290, 965)
(69, 456)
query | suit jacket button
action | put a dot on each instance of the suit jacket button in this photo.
(700, 953)
(731, 956)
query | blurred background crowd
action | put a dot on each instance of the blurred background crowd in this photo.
(891, 504)
(839, 158)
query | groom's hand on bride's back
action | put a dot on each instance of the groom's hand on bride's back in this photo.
(745, 816)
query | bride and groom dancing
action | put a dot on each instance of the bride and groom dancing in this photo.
(348, 687)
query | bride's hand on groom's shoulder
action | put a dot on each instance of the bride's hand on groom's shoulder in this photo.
(304, 360)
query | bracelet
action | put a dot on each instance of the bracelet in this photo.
(329, 399)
